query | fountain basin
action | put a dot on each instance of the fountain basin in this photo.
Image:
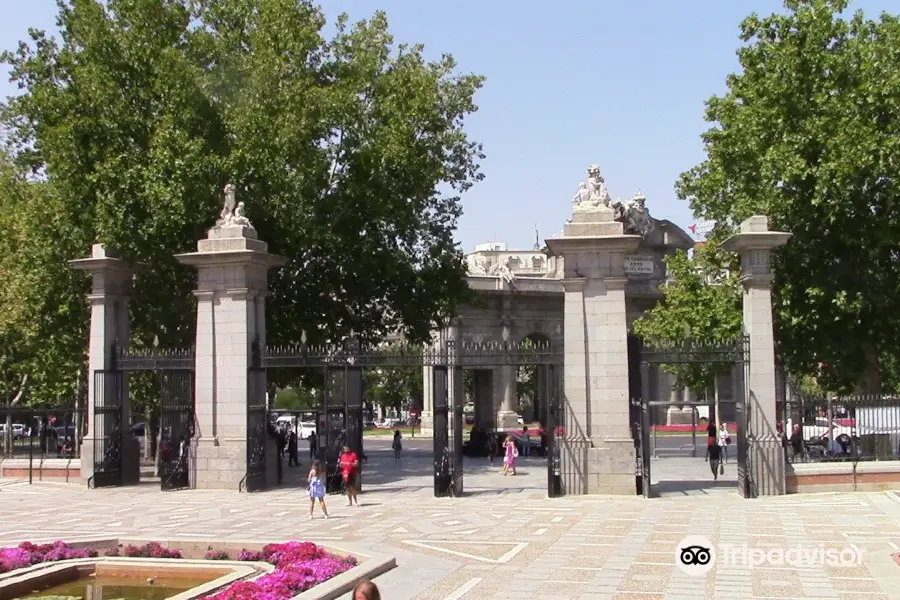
(190, 579)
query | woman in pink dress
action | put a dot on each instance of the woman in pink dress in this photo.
(510, 452)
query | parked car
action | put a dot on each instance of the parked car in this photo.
(305, 429)
(19, 431)
(368, 424)
(814, 433)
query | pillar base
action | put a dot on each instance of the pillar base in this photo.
(87, 459)
(426, 424)
(219, 463)
(610, 468)
(677, 416)
(766, 458)
(507, 420)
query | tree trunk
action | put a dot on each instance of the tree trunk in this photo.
(148, 433)
(716, 400)
(7, 432)
(871, 383)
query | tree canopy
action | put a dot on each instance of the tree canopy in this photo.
(701, 306)
(349, 151)
(40, 296)
(807, 133)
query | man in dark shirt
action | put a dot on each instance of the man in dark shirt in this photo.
(713, 455)
(293, 459)
(797, 443)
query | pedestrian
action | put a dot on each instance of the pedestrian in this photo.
(281, 441)
(509, 456)
(366, 590)
(724, 441)
(293, 459)
(526, 442)
(491, 447)
(316, 488)
(397, 445)
(713, 456)
(313, 445)
(349, 465)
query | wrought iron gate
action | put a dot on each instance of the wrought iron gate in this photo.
(443, 462)
(720, 357)
(554, 430)
(176, 427)
(171, 378)
(257, 430)
(646, 482)
(107, 429)
(742, 422)
(457, 400)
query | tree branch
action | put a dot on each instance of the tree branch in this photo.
(21, 393)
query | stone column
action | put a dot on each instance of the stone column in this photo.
(426, 425)
(507, 417)
(111, 289)
(232, 283)
(754, 244)
(594, 247)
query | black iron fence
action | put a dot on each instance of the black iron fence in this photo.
(30, 436)
(862, 427)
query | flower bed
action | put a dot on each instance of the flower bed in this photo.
(299, 566)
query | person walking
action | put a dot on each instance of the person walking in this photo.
(316, 488)
(713, 456)
(509, 456)
(397, 445)
(491, 447)
(293, 459)
(349, 465)
(724, 441)
(313, 445)
(526, 442)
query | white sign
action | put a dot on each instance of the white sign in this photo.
(639, 265)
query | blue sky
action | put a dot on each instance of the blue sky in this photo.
(569, 83)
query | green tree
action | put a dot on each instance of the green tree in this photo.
(807, 134)
(394, 387)
(701, 307)
(299, 398)
(349, 152)
(40, 297)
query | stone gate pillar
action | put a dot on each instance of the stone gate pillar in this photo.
(594, 247)
(232, 285)
(111, 290)
(754, 244)
(507, 381)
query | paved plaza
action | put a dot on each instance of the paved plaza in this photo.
(505, 539)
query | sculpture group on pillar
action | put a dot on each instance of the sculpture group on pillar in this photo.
(232, 214)
(594, 197)
(480, 265)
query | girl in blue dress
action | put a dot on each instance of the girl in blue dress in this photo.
(316, 482)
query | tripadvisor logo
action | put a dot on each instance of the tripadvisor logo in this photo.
(696, 555)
